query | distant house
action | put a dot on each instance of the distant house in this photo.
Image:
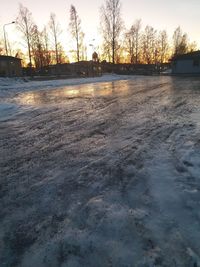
(186, 64)
(77, 69)
(133, 69)
(10, 66)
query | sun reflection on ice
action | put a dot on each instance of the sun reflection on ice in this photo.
(61, 95)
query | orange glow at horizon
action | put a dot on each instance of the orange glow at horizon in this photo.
(167, 15)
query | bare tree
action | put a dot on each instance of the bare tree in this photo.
(25, 25)
(20, 54)
(62, 58)
(177, 37)
(106, 52)
(163, 46)
(2, 50)
(137, 27)
(192, 47)
(83, 52)
(46, 44)
(56, 31)
(76, 31)
(37, 48)
(132, 40)
(180, 42)
(112, 25)
(149, 45)
(183, 46)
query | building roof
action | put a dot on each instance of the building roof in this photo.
(188, 56)
(9, 58)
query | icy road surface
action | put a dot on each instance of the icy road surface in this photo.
(101, 175)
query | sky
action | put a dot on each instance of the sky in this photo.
(161, 14)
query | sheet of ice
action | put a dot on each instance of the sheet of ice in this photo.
(7, 110)
(102, 175)
(9, 86)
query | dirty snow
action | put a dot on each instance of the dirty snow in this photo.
(101, 174)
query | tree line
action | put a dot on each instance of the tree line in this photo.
(136, 45)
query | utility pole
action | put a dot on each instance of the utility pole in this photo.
(4, 31)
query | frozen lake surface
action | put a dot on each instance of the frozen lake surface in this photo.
(101, 174)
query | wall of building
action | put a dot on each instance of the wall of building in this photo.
(78, 69)
(10, 68)
(186, 67)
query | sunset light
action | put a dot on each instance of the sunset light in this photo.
(160, 15)
(100, 133)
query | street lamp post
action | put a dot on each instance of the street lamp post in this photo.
(4, 31)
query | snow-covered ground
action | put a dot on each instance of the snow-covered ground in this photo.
(100, 174)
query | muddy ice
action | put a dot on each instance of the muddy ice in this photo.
(104, 174)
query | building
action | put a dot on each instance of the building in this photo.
(186, 64)
(77, 69)
(133, 69)
(10, 66)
